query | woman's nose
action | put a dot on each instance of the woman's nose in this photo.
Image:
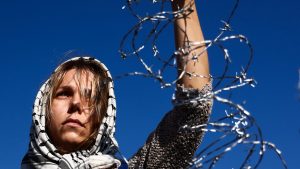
(75, 105)
(76, 99)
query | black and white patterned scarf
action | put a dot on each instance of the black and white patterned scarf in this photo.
(43, 154)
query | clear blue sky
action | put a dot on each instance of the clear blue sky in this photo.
(35, 34)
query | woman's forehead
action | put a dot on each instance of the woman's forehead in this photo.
(75, 77)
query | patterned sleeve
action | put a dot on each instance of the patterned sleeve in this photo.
(168, 146)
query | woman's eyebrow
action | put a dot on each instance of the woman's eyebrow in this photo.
(65, 88)
(86, 92)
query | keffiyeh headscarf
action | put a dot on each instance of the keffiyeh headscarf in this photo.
(43, 154)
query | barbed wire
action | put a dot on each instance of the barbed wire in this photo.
(236, 126)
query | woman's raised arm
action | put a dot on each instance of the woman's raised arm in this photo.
(188, 30)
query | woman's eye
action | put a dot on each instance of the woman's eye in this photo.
(63, 94)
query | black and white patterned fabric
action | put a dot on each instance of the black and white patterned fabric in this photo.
(43, 154)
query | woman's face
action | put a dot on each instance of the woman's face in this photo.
(70, 122)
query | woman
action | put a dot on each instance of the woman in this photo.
(74, 113)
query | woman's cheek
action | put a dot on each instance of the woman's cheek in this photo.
(59, 106)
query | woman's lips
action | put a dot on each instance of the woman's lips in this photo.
(73, 122)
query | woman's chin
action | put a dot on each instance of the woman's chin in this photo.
(70, 141)
(72, 138)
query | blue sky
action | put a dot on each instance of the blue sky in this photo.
(34, 35)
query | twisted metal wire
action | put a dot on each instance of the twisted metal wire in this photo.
(237, 127)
